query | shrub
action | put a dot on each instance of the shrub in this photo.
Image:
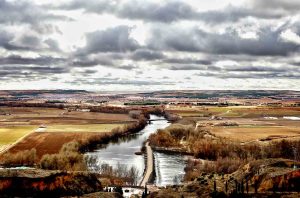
(162, 138)
(22, 158)
(68, 158)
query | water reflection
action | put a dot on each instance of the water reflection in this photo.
(122, 151)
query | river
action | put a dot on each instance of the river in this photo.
(168, 167)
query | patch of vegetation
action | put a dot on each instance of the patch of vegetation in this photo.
(83, 128)
(224, 155)
(68, 158)
(22, 158)
(10, 134)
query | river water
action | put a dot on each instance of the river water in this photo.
(169, 168)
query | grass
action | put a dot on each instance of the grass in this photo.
(83, 128)
(49, 143)
(190, 114)
(254, 132)
(11, 134)
(52, 116)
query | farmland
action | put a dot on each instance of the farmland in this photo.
(50, 143)
(218, 137)
(10, 134)
(234, 111)
(36, 116)
(47, 129)
(97, 128)
(255, 133)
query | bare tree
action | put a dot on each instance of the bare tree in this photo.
(133, 175)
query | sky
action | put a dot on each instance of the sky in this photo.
(134, 45)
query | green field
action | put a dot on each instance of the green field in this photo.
(82, 128)
(11, 134)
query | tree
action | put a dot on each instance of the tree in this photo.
(133, 175)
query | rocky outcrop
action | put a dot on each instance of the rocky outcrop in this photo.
(270, 175)
(41, 183)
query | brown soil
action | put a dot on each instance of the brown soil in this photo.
(49, 143)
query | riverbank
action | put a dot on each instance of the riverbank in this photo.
(122, 153)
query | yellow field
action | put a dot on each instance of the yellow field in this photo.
(51, 116)
(235, 111)
(11, 134)
(252, 133)
(81, 128)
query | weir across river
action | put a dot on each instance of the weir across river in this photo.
(149, 166)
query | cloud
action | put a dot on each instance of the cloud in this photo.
(186, 67)
(256, 40)
(165, 11)
(268, 43)
(145, 54)
(25, 12)
(115, 39)
(6, 41)
(188, 61)
(140, 10)
(30, 73)
(23, 41)
(253, 72)
(119, 81)
(234, 14)
(288, 5)
(19, 60)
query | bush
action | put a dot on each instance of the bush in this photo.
(163, 139)
(22, 158)
(68, 158)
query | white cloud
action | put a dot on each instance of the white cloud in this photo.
(290, 36)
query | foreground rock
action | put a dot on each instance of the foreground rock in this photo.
(270, 175)
(261, 178)
(42, 183)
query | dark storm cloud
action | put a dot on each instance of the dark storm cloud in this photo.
(12, 42)
(193, 67)
(126, 67)
(165, 11)
(6, 41)
(115, 39)
(86, 72)
(253, 72)
(186, 67)
(29, 73)
(90, 71)
(19, 60)
(144, 10)
(86, 62)
(257, 69)
(296, 63)
(145, 54)
(234, 14)
(268, 43)
(35, 69)
(188, 61)
(107, 59)
(17, 12)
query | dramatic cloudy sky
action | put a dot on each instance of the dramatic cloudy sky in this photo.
(149, 44)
